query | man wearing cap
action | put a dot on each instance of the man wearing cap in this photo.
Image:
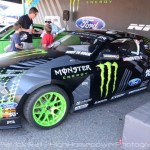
(54, 27)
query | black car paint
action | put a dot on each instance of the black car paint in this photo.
(37, 68)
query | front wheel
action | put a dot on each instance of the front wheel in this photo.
(47, 107)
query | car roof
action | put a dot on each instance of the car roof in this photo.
(102, 34)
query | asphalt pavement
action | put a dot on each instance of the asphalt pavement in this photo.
(95, 128)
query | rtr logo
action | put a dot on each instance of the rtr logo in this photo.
(140, 27)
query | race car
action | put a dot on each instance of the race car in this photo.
(82, 69)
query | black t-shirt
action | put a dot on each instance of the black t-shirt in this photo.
(26, 22)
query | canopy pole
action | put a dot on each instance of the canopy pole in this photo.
(23, 5)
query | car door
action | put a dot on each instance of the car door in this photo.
(117, 71)
(37, 37)
(5, 37)
(106, 76)
(136, 65)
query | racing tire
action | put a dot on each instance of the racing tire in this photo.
(47, 107)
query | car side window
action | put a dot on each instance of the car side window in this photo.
(37, 29)
(80, 43)
(128, 47)
(123, 47)
(110, 48)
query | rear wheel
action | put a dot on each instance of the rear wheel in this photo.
(47, 107)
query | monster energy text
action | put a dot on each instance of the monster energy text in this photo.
(109, 67)
(74, 4)
(72, 70)
(75, 75)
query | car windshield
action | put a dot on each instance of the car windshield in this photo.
(76, 43)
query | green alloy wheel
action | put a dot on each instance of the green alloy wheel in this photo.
(47, 107)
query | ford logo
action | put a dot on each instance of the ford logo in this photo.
(8, 105)
(90, 23)
(134, 82)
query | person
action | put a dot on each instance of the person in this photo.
(47, 37)
(15, 39)
(55, 29)
(26, 22)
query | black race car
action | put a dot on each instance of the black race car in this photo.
(82, 69)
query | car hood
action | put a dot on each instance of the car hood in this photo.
(13, 58)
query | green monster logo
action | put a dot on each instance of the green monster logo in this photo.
(74, 4)
(109, 66)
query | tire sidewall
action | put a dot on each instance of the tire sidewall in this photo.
(33, 98)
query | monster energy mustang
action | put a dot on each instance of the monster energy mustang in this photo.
(44, 85)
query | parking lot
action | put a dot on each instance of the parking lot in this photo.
(95, 128)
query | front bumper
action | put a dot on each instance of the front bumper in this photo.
(9, 123)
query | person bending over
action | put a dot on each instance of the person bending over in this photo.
(26, 22)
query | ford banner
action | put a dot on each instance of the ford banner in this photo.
(90, 23)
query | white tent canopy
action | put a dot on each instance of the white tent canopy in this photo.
(10, 9)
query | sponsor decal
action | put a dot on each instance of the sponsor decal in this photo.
(13, 114)
(109, 66)
(117, 96)
(83, 53)
(9, 110)
(147, 73)
(7, 113)
(101, 101)
(90, 23)
(84, 101)
(81, 107)
(134, 82)
(102, 38)
(132, 58)
(75, 75)
(74, 4)
(146, 46)
(144, 83)
(111, 56)
(137, 90)
(98, 1)
(11, 122)
(9, 105)
(71, 72)
(9, 96)
(84, 83)
(111, 32)
(139, 27)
